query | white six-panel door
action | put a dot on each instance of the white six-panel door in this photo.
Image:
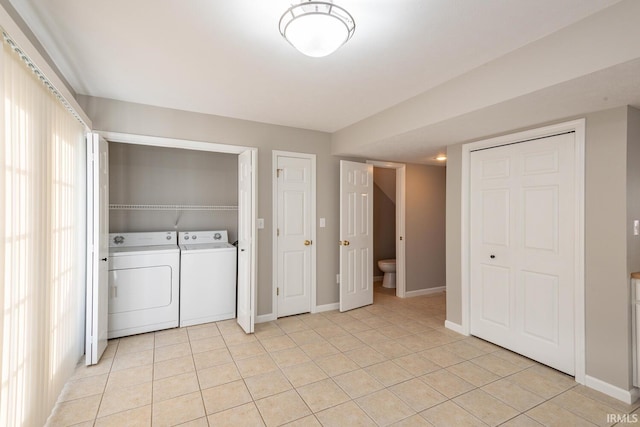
(522, 248)
(294, 238)
(356, 235)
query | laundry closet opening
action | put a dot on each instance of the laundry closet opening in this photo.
(172, 216)
(171, 189)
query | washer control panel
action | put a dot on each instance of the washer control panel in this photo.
(142, 239)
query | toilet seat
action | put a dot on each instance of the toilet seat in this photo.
(387, 262)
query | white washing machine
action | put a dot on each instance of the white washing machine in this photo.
(144, 282)
(207, 277)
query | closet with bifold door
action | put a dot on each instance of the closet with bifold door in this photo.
(158, 197)
(523, 248)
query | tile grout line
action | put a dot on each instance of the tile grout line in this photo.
(104, 389)
(235, 362)
(195, 369)
(153, 373)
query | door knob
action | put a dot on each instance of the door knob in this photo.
(492, 256)
(103, 259)
(307, 242)
(344, 242)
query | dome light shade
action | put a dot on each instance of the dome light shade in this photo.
(317, 28)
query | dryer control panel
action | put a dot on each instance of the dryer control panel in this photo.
(203, 237)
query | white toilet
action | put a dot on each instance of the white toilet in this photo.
(388, 267)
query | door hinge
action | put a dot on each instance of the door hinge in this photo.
(278, 172)
(277, 291)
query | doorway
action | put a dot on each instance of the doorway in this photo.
(394, 183)
(356, 232)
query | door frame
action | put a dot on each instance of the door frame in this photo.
(577, 126)
(274, 225)
(401, 188)
(185, 144)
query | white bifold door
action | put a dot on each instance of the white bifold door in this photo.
(522, 255)
(356, 235)
(97, 248)
(246, 240)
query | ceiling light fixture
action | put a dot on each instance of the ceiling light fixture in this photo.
(317, 28)
(441, 158)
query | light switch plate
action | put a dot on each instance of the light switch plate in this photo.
(260, 223)
(636, 227)
(322, 223)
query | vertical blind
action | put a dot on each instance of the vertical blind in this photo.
(42, 226)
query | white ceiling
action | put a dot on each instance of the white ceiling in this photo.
(227, 57)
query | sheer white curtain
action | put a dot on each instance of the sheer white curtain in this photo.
(42, 190)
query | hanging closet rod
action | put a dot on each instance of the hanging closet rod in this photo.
(173, 207)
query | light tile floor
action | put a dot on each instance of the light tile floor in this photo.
(391, 363)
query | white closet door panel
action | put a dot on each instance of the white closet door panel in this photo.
(495, 284)
(541, 306)
(540, 218)
(495, 217)
(97, 248)
(246, 293)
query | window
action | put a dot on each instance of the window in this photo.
(42, 226)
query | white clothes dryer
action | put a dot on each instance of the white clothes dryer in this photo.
(144, 282)
(207, 277)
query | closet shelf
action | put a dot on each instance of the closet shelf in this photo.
(173, 207)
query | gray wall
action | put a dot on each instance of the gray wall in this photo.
(141, 174)
(384, 216)
(454, 233)
(425, 226)
(118, 116)
(612, 199)
(606, 275)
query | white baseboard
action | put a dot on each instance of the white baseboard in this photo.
(327, 307)
(263, 318)
(428, 291)
(454, 327)
(627, 396)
